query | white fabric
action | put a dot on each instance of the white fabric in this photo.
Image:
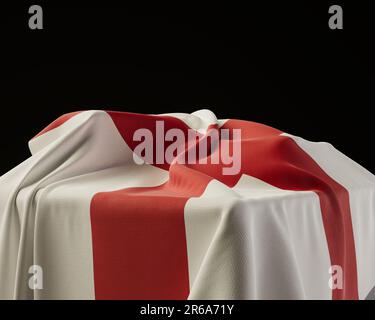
(252, 241)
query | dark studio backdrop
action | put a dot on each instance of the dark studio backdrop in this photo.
(276, 63)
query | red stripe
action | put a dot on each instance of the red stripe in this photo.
(139, 239)
(138, 234)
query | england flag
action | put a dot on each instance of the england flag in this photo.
(117, 205)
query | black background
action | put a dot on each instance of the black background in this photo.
(275, 63)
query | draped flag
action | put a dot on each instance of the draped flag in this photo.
(102, 213)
